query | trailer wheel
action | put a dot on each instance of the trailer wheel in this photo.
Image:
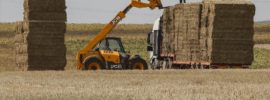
(164, 64)
(169, 61)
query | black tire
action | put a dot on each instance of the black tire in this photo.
(138, 63)
(94, 64)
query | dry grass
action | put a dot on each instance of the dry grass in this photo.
(7, 52)
(98, 27)
(137, 85)
(262, 34)
(7, 27)
(262, 38)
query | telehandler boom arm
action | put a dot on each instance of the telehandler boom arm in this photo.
(152, 4)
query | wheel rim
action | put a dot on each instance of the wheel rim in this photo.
(94, 66)
(139, 66)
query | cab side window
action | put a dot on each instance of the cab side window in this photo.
(102, 45)
(114, 45)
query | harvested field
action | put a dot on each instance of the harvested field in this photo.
(261, 58)
(137, 85)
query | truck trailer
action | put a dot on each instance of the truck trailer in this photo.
(203, 35)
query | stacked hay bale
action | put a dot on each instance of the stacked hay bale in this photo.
(21, 47)
(181, 26)
(187, 26)
(228, 28)
(168, 28)
(45, 10)
(42, 32)
(214, 32)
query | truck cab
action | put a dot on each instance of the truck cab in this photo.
(154, 41)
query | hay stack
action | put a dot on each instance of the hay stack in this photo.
(47, 10)
(20, 47)
(228, 1)
(40, 38)
(229, 31)
(216, 32)
(168, 28)
(187, 31)
(181, 26)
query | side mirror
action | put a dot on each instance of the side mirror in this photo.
(149, 48)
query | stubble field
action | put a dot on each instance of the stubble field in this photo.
(230, 84)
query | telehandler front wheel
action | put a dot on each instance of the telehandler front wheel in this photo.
(94, 64)
(138, 63)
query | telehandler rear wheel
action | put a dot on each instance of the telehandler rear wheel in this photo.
(138, 63)
(94, 64)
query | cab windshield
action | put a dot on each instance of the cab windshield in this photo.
(111, 44)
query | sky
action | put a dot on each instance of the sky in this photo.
(102, 11)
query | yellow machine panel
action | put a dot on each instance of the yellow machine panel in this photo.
(110, 56)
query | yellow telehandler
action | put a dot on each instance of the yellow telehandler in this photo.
(104, 52)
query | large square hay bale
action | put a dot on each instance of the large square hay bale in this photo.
(39, 40)
(44, 27)
(215, 31)
(45, 16)
(45, 10)
(181, 31)
(229, 31)
(45, 5)
(40, 45)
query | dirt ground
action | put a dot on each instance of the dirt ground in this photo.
(136, 85)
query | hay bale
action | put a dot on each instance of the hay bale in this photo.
(45, 5)
(229, 30)
(46, 16)
(181, 26)
(19, 38)
(44, 27)
(228, 1)
(21, 48)
(215, 31)
(40, 46)
(168, 28)
(19, 27)
(39, 40)
(45, 10)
